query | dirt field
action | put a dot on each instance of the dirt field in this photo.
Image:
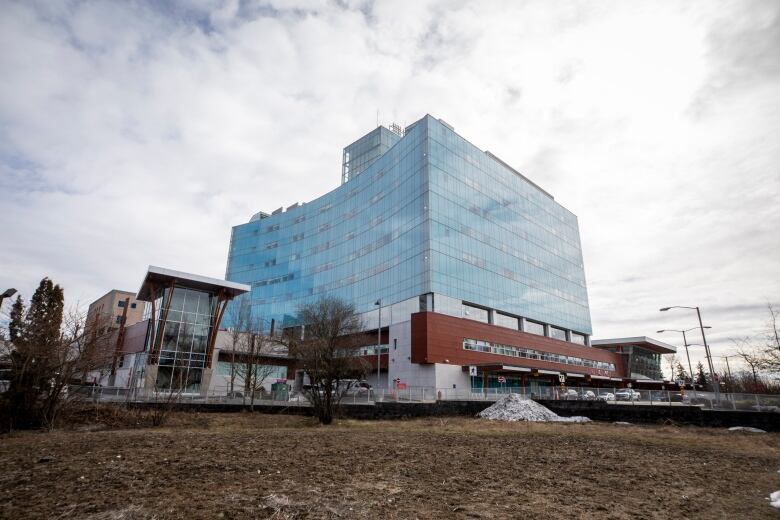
(256, 466)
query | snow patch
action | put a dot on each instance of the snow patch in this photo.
(774, 499)
(515, 407)
(746, 429)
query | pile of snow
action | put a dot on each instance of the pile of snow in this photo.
(774, 499)
(515, 407)
(746, 429)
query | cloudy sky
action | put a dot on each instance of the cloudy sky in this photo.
(137, 133)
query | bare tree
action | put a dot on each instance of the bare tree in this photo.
(249, 347)
(773, 335)
(327, 353)
(771, 347)
(671, 362)
(752, 357)
(253, 371)
(239, 319)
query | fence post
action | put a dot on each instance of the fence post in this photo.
(758, 403)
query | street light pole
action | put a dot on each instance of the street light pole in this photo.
(715, 385)
(728, 368)
(688, 355)
(6, 294)
(686, 345)
(378, 342)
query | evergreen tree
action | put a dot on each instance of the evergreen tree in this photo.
(701, 377)
(36, 355)
(680, 373)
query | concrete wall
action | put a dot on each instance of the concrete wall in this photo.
(451, 377)
(690, 415)
(400, 355)
(599, 411)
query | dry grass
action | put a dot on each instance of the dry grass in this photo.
(261, 466)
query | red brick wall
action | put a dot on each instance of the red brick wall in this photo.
(437, 338)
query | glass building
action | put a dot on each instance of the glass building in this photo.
(423, 221)
(426, 212)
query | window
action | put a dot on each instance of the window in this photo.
(577, 338)
(534, 328)
(119, 318)
(512, 351)
(557, 333)
(133, 305)
(502, 320)
(121, 303)
(475, 313)
(297, 236)
(275, 227)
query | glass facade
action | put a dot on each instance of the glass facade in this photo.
(362, 153)
(374, 245)
(498, 240)
(424, 213)
(184, 337)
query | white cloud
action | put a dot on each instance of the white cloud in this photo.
(135, 133)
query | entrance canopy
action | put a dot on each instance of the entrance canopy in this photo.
(650, 344)
(161, 277)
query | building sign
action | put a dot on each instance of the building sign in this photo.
(501, 379)
(472, 370)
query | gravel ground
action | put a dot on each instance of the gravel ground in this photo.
(257, 466)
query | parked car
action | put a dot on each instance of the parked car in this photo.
(627, 394)
(358, 388)
(588, 395)
(570, 394)
(679, 397)
(608, 396)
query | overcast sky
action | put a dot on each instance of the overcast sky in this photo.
(135, 134)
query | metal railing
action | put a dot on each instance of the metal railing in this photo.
(610, 396)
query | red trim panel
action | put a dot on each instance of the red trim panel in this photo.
(438, 338)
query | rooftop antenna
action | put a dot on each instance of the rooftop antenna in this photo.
(377, 117)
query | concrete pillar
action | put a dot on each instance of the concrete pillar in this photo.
(150, 377)
(205, 381)
(521, 324)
